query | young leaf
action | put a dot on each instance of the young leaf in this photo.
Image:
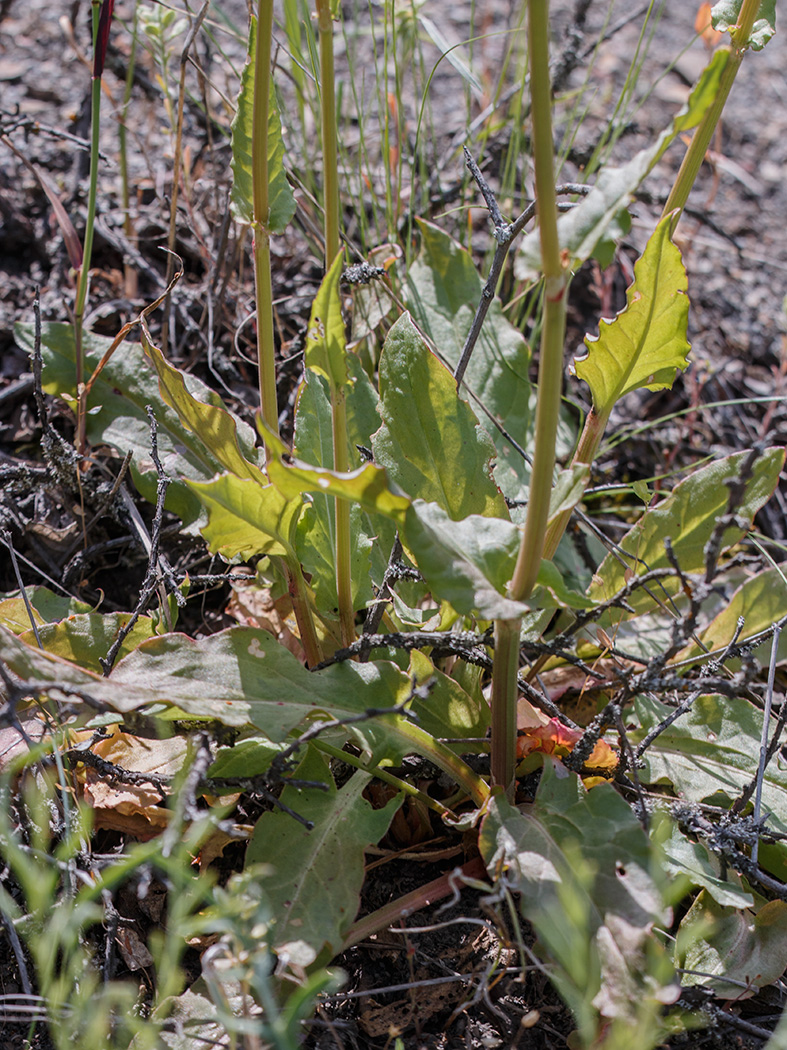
(282, 202)
(688, 518)
(581, 228)
(468, 563)
(448, 711)
(430, 442)
(313, 441)
(725, 15)
(317, 874)
(247, 519)
(326, 346)
(646, 344)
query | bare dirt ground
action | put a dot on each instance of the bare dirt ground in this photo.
(735, 242)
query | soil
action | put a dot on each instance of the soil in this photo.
(430, 982)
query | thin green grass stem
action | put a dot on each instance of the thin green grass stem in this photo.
(550, 381)
(266, 359)
(330, 148)
(130, 274)
(342, 508)
(330, 152)
(84, 274)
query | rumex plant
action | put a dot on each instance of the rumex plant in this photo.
(389, 479)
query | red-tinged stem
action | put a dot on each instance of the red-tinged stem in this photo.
(432, 892)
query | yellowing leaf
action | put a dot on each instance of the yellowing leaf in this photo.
(245, 518)
(646, 344)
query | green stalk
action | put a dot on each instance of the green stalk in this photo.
(596, 422)
(587, 449)
(381, 774)
(550, 379)
(330, 146)
(87, 251)
(341, 461)
(130, 274)
(342, 516)
(266, 360)
(702, 137)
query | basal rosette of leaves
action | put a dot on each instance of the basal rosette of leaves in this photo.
(597, 888)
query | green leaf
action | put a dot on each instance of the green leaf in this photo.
(282, 202)
(468, 563)
(248, 758)
(724, 15)
(430, 442)
(126, 385)
(315, 885)
(48, 607)
(326, 346)
(85, 637)
(746, 947)
(646, 344)
(210, 421)
(448, 711)
(588, 881)
(316, 549)
(713, 750)
(688, 518)
(243, 676)
(699, 867)
(367, 486)
(247, 519)
(581, 228)
(761, 601)
(442, 291)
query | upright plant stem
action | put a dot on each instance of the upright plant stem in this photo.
(130, 274)
(266, 361)
(329, 136)
(343, 543)
(87, 251)
(332, 248)
(703, 136)
(550, 378)
(596, 422)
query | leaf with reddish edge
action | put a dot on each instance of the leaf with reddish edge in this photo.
(102, 37)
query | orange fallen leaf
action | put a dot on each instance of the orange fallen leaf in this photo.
(556, 739)
(704, 28)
